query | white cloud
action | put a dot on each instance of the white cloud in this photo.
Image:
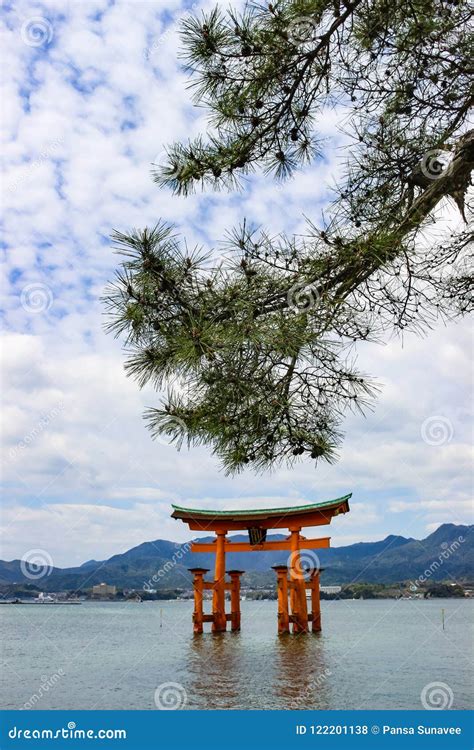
(59, 529)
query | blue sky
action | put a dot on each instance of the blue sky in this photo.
(92, 93)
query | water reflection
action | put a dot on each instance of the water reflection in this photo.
(214, 666)
(232, 671)
(303, 672)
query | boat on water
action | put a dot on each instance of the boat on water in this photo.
(42, 599)
(54, 602)
(47, 599)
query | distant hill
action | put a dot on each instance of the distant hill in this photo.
(163, 564)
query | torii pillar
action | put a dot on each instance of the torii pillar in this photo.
(299, 607)
(198, 586)
(218, 598)
(235, 598)
(282, 591)
(314, 586)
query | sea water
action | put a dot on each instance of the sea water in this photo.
(372, 654)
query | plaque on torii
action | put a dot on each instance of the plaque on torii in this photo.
(292, 580)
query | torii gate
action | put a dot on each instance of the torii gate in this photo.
(257, 523)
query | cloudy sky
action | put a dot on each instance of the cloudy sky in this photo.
(92, 92)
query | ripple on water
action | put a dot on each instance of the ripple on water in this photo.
(371, 654)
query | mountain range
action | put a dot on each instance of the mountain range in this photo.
(446, 553)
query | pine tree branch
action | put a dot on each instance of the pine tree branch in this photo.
(257, 352)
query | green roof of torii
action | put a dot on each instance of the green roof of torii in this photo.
(244, 512)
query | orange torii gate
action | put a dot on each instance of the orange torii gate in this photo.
(257, 523)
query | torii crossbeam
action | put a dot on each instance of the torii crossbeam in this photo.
(257, 523)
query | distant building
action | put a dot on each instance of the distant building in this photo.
(331, 589)
(103, 591)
